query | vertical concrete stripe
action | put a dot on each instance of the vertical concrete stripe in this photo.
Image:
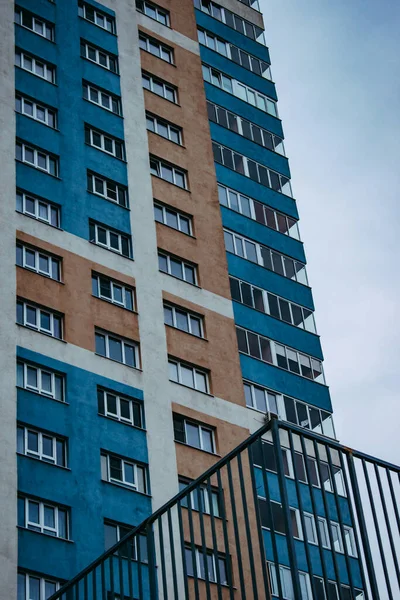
(8, 396)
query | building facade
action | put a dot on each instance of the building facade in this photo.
(152, 257)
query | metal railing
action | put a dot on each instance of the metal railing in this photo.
(288, 514)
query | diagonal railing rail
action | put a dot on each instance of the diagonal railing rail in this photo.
(288, 514)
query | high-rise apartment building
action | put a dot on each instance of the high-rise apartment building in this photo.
(151, 254)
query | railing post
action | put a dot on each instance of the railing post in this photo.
(151, 553)
(363, 528)
(286, 512)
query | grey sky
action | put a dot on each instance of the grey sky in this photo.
(337, 69)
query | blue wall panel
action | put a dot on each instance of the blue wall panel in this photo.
(80, 486)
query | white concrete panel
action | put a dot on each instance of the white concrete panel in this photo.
(8, 394)
(174, 37)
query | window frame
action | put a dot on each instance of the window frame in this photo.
(27, 304)
(240, 90)
(116, 143)
(47, 25)
(49, 70)
(106, 470)
(52, 209)
(158, 164)
(38, 254)
(40, 453)
(88, 87)
(165, 208)
(111, 59)
(22, 148)
(189, 314)
(121, 191)
(124, 342)
(48, 111)
(196, 371)
(43, 529)
(216, 498)
(266, 257)
(269, 347)
(265, 295)
(157, 121)
(42, 579)
(118, 415)
(201, 560)
(82, 8)
(215, 43)
(114, 283)
(235, 123)
(163, 48)
(158, 11)
(109, 231)
(184, 264)
(153, 79)
(39, 389)
(217, 9)
(202, 428)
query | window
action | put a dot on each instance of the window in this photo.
(177, 268)
(209, 566)
(104, 142)
(35, 157)
(155, 47)
(43, 517)
(265, 257)
(258, 212)
(110, 239)
(285, 577)
(238, 89)
(164, 128)
(168, 172)
(119, 407)
(249, 130)
(36, 111)
(39, 209)
(102, 98)
(32, 586)
(38, 261)
(183, 319)
(289, 409)
(36, 66)
(278, 519)
(332, 591)
(108, 189)
(153, 11)
(114, 532)
(323, 532)
(272, 305)
(43, 320)
(252, 3)
(123, 472)
(100, 57)
(188, 375)
(311, 532)
(43, 446)
(159, 87)
(265, 457)
(117, 348)
(350, 541)
(172, 218)
(231, 19)
(113, 291)
(249, 168)
(307, 416)
(40, 380)
(99, 18)
(209, 500)
(35, 24)
(237, 55)
(193, 434)
(278, 355)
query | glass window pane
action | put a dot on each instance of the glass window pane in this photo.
(187, 376)
(192, 435)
